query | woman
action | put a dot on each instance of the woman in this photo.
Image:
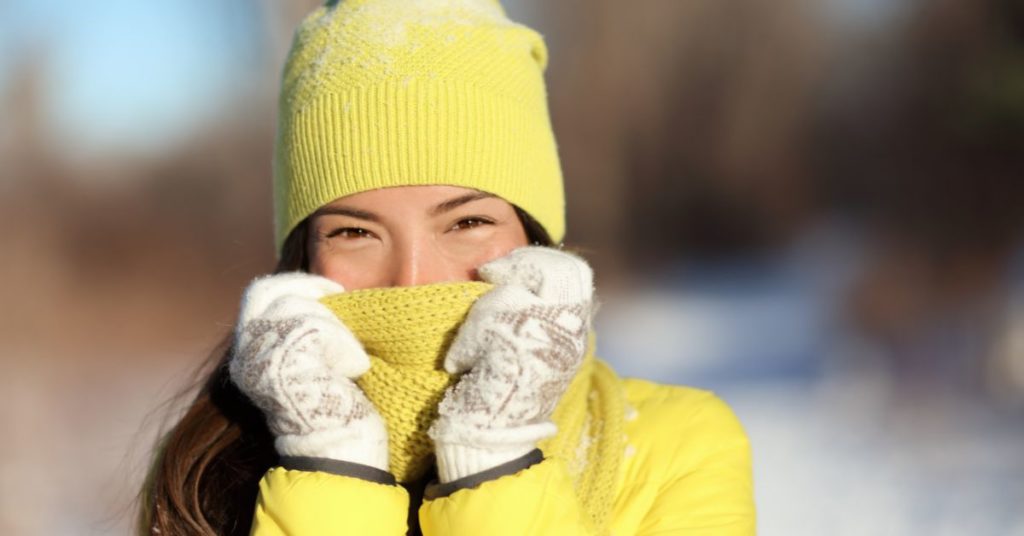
(421, 361)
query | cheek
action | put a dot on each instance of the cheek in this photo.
(353, 274)
(498, 247)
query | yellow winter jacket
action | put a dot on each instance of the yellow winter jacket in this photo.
(687, 470)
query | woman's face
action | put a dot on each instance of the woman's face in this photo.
(411, 235)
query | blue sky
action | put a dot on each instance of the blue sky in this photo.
(128, 73)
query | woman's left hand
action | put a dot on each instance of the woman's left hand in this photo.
(522, 343)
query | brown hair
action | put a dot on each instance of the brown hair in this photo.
(207, 467)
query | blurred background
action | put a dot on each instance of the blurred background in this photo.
(812, 207)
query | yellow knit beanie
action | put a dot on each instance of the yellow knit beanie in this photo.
(381, 93)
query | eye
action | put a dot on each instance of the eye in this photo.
(349, 232)
(471, 222)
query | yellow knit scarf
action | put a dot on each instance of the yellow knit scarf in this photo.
(407, 330)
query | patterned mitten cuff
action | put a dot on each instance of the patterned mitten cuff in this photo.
(463, 451)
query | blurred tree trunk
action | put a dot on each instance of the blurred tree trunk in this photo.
(683, 124)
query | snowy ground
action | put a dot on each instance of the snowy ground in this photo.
(840, 446)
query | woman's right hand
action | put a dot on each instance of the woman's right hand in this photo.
(296, 361)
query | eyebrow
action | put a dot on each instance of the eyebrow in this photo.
(456, 202)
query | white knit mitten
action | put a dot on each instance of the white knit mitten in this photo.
(522, 343)
(296, 361)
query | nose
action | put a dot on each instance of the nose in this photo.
(420, 262)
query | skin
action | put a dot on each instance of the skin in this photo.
(411, 235)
